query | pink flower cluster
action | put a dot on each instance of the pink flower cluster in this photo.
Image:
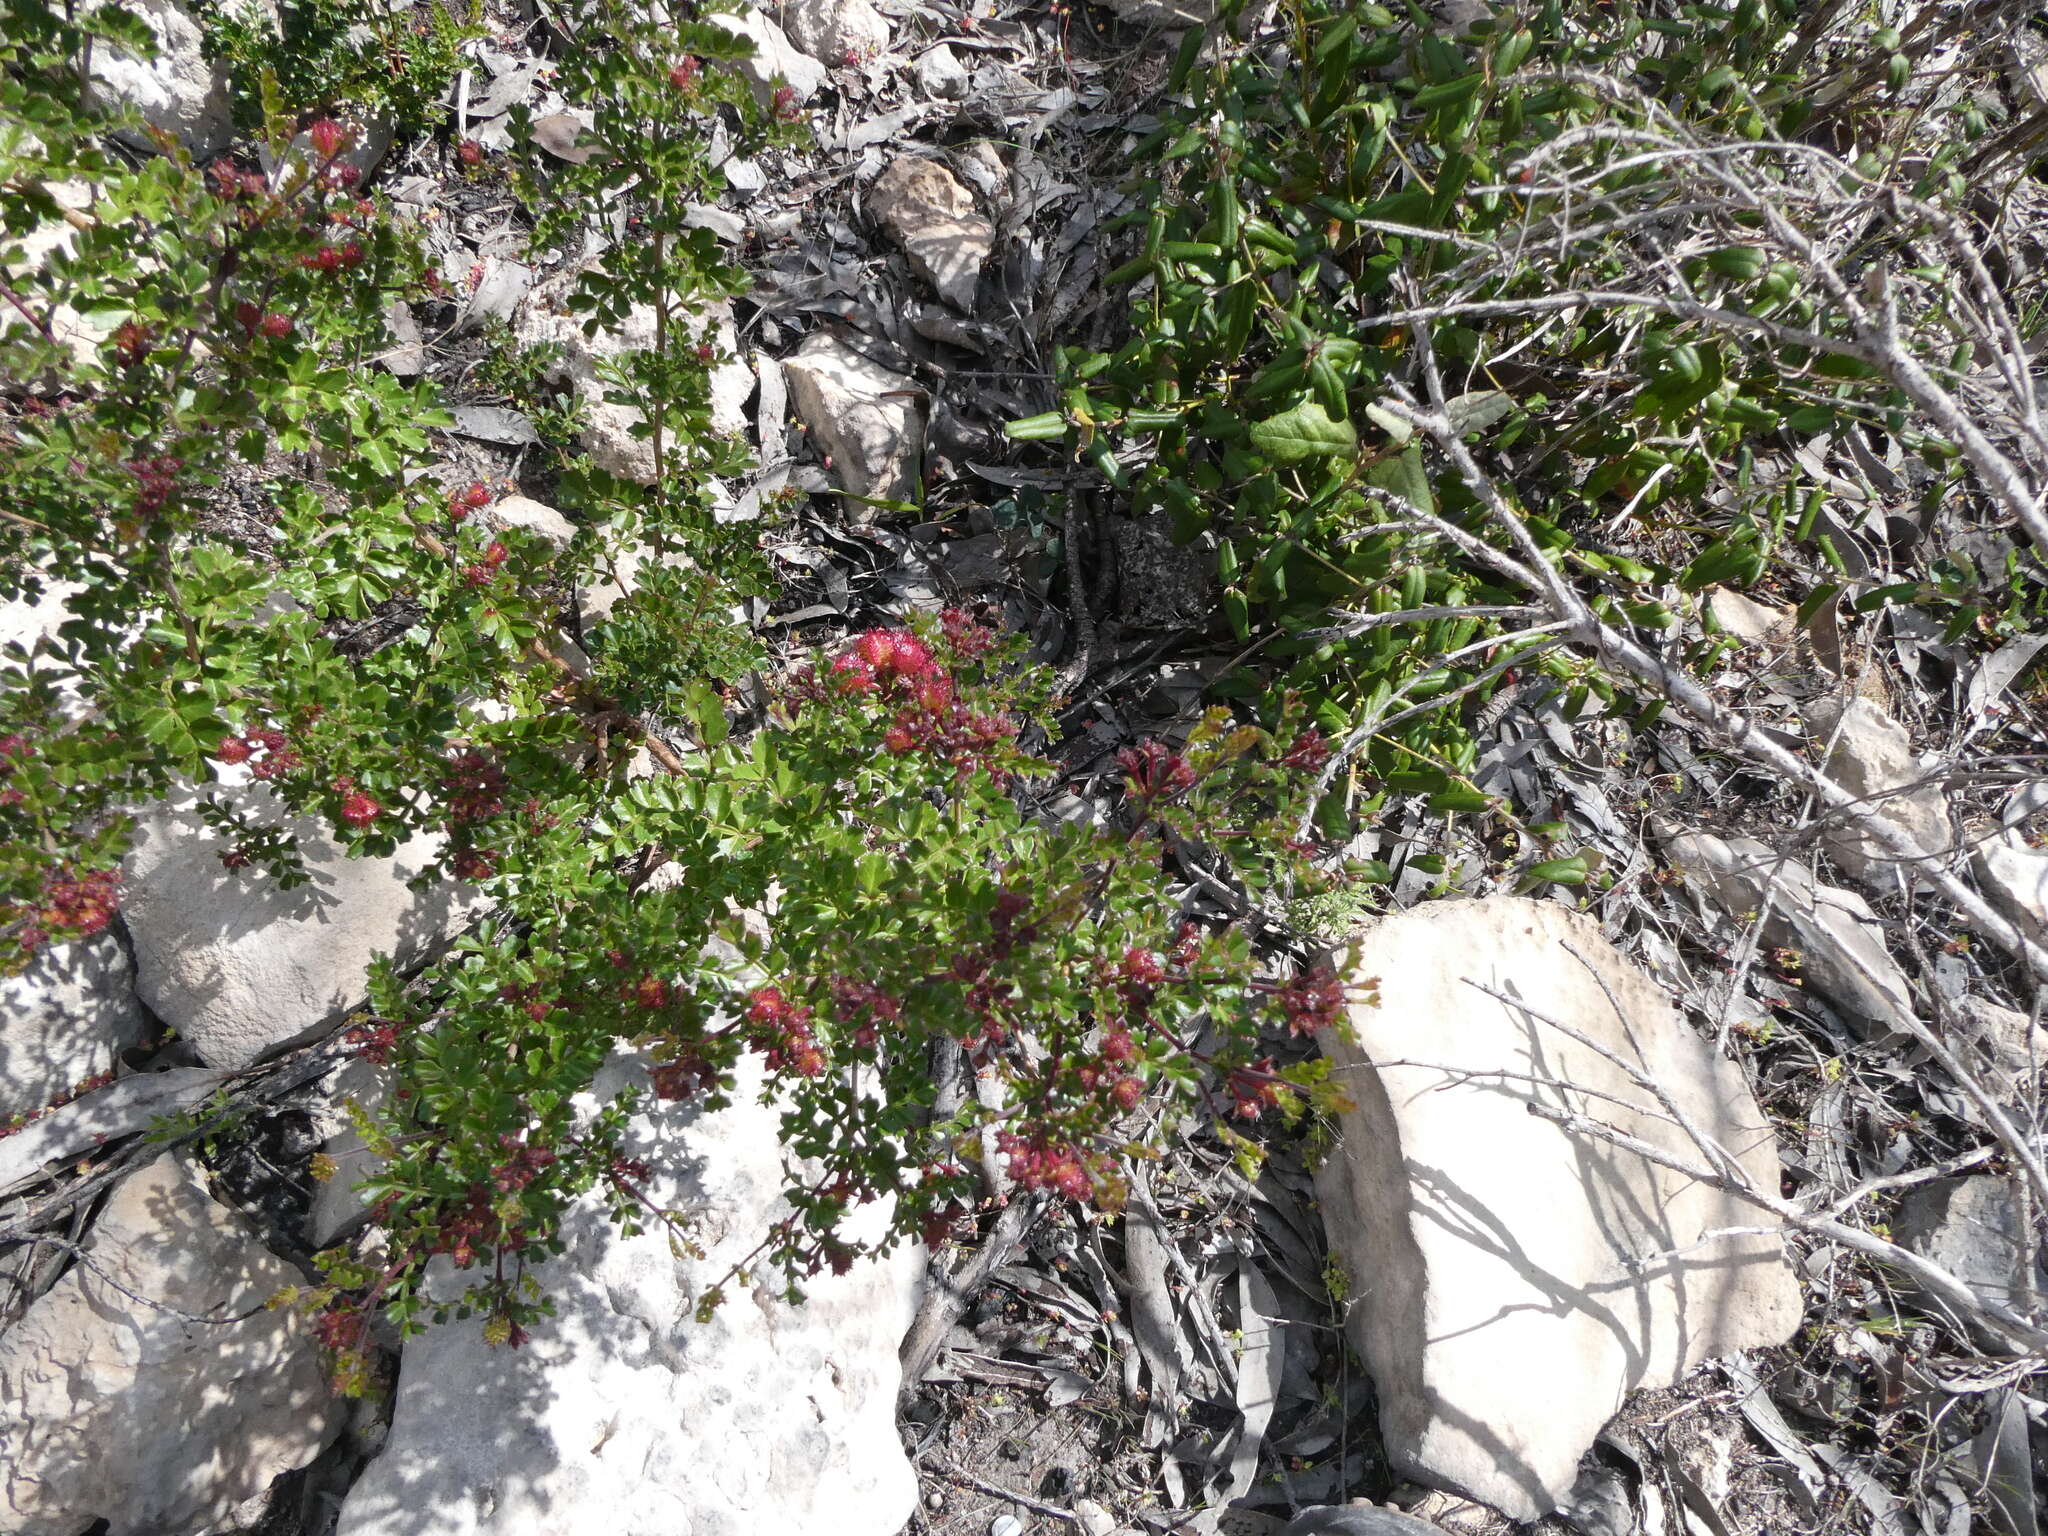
(1036, 1162)
(684, 1075)
(782, 1031)
(481, 573)
(14, 748)
(865, 1006)
(1155, 771)
(897, 667)
(1255, 1089)
(331, 258)
(474, 785)
(70, 905)
(156, 480)
(277, 756)
(473, 497)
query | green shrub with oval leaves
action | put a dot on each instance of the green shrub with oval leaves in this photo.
(1589, 218)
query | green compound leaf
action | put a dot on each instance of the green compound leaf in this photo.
(1305, 432)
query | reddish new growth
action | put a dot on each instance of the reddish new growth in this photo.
(470, 153)
(131, 342)
(70, 905)
(474, 788)
(231, 181)
(376, 1041)
(687, 1074)
(1314, 1000)
(156, 481)
(968, 639)
(684, 76)
(340, 1328)
(1155, 770)
(474, 864)
(781, 1030)
(1309, 752)
(474, 785)
(1038, 1163)
(476, 1225)
(1255, 1089)
(522, 1166)
(785, 105)
(331, 258)
(329, 138)
(865, 1006)
(276, 756)
(13, 749)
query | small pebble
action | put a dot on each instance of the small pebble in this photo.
(1006, 1525)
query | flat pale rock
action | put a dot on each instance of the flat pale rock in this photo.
(623, 1415)
(1972, 1228)
(111, 1409)
(120, 1108)
(608, 427)
(1513, 1281)
(64, 1020)
(1870, 755)
(867, 418)
(932, 216)
(534, 517)
(2014, 878)
(1838, 938)
(1751, 622)
(239, 966)
(774, 58)
(837, 33)
(179, 91)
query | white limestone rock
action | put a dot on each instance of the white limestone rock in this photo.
(1751, 622)
(530, 516)
(65, 1019)
(1514, 1281)
(239, 966)
(1838, 938)
(837, 33)
(112, 1409)
(932, 216)
(338, 1209)
(120, 1108)
(624, 1415)
(867, 418)
(1972, 1228)
(2014, 878)
(81, 335)
(940, 72)
(178, 91)
(2012, 1047)
(544, 318)
(773, 59)
(1870, 755)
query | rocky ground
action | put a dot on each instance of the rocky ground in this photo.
(1485, 1302)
